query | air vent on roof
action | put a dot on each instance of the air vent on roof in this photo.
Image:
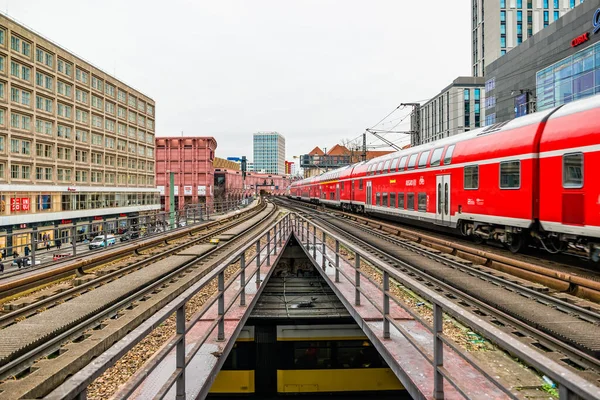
(493, 128)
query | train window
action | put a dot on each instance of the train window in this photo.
(241, 357)
(311, 355)
(448, 155)
(393, 200)
(386, 167)
(331, 196)
(412, 161)
(436, 157)
(471, 177)
(423, 159)
(384, 200)
(410, 201)
(510, 175)
(394, 165)
(573, 170)
(342, 186)
(400, 200)
(422, 201)
(380, 168)
(360, 184)
(402, 163)
(377, 199)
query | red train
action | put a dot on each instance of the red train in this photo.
(526, 179)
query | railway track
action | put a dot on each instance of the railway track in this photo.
(557, 328)
(124, 302)
(19, 281)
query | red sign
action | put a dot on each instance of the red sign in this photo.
(66, 221)
(96, 218)
(19, 204)
(70, 189)
(580, 39)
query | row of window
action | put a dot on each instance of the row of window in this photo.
(46, 58)
(402, 200)
(399, 164)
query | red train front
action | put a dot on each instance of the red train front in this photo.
(513, 182)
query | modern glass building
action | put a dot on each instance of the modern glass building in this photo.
(559, 64)
(572, 78)
(269, 153)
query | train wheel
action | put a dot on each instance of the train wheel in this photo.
(478, 239)
(515, 243)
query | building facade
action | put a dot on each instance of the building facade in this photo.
(557, 65)
(230, 185)
(457, 108)
(269, 153)
(76, 144)
(501, 25)
(191, 160)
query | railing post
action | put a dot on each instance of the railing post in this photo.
(307, 232)
(221, 331)
(243, 279)
(356, 279)
(275, 239)
(315, 243)
(438, 355)
(258, 261)
(269, 248)
(33, 247)
(337, 261)
(74, 240)
(180, 353)
(386, 305)
(105, 234)
(323, 250)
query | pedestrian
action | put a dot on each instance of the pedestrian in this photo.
(3, 253)
(1, 268)
(27, 250)
(58, 243)
(48, 245)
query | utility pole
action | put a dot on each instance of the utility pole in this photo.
(364, 147)
(415, 123)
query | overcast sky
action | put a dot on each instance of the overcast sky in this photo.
(317, 71)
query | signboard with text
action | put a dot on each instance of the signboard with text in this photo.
(201, 190)
(187, 190)
(19, 204)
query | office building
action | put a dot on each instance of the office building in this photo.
(555, 66)
(501, 25)
(190, 159)
(269, 153)
(76, 144)
(457, 108)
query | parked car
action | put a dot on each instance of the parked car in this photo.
(129, 235)
(99, 241)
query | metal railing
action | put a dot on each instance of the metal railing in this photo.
(569, 383)
(33, 248)
(275, 238)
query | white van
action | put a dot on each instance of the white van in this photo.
(98, 241)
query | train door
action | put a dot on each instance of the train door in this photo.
(352, 191)
(442, 204)
(337, 191)
(369, 198)
(265, 378)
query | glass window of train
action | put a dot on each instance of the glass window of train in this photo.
(384, 200)
(386, 167)
(357, 354)
(342, 186)
(410, 201)
(401, 200)
(402, 163)
(312, 355)
(393, 200)
(510, 175)
(380, 167)
(377, 199)
(573, 170)
(412, 161)
(360, 184)
(423, 159)
(471, 180)
(436, 157)
(422, 201)
(448, 155)
(394, 165)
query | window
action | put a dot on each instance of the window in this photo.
(377, 199)
(44, 57)
(448, 155)
(121, 96)
(573, 170)
(96, 102)
(20, 71)
(423, 159)
(386, 166)
(64, 67)
(410, 201)
(402, 163)
(19, 121)
(412, 161)
(519, 3)
(44, 104)
(64, 88)
(97, 121)
(510, 175)
(384, 200)
(110, 90)
(394, 165)
(502, 16)
(502, 3)
(96, 139)
(422, 200)
(109, 107)
(122, 112)
(556, 15)
(380, 167)
(142, 136)
(63, 175)
(149, 123)
(64, 132)
(149, 109)
(132, 117)
(20, 171)
(81, 116)
(81, 136)
(42, 126)
(82, 76)
(109, 125)
(436, 157)
(141, 106)
(471, 175)
(132, 101)
(393, 200)
(97, 83)
(400, 200)
(20, 96)
(64, 111)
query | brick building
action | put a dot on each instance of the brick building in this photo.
(191, 160)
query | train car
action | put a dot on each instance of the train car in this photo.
(513, 182)
(306, 359)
